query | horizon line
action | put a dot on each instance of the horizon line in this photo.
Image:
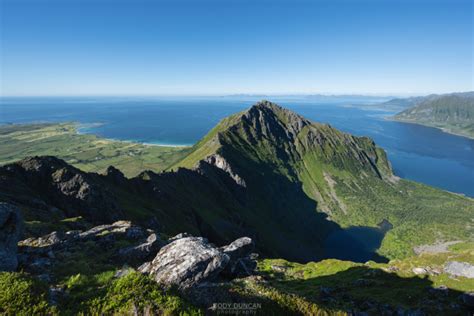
(243, 94)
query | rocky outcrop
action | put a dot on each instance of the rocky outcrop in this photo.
(115, 176)
(10, 232)
(120, 227)
(38, 254)
(186, 262)
(221, 163)
(190, 261)
(46, 182)
(462, 269)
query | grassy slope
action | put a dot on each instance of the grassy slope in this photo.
(420, 214)
(86, 152)
(393, 283)
(282, 287)
(208, 145)
(86, 273)
(344, 188)
(452, 113)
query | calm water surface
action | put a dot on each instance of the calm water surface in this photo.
(418, 153)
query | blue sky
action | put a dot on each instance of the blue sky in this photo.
(116, 47)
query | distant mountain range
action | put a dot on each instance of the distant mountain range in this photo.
(453, 113)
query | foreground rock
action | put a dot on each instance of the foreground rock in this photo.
(10, 231)
(190, 261)
(38, 254)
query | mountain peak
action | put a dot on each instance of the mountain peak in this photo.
(268, 114)
(267, 104)
(272, 135)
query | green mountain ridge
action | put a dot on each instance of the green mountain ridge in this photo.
(453, 113)
(267, 173)
(348, 177)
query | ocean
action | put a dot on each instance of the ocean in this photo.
(416, 152)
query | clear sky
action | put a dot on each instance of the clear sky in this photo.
(116, 47)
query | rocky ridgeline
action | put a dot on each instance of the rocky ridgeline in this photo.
(49, 185)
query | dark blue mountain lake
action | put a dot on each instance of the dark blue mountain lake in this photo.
(357, 243)
(416, 152)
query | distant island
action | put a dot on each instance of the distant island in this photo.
(453, 113)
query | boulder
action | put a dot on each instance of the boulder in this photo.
(419, 271)
(186, 262)
(10, 231)
(54, 186)
(120, 227)
(51, 240)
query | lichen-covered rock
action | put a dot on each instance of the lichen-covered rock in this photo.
(51, 240)
(419, 271)
(186, 262)
(36, 255)
(10, 231)
(120, 227)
